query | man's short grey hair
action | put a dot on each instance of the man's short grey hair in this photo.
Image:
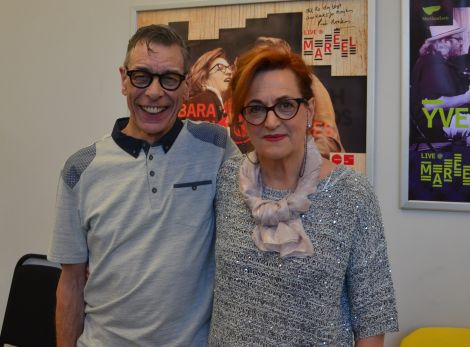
(158, 34)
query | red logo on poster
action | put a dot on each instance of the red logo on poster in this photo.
(346, 159)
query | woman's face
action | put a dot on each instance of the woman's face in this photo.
(278, 139)
(219, 75)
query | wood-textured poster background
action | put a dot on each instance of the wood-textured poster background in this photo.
(331, 36)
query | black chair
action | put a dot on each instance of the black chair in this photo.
(29, 319)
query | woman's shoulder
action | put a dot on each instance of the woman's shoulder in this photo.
(347, 190)
(346, 180)
(230, 168)
(203, 96)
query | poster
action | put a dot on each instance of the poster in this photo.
(331, 36)
(438, 114)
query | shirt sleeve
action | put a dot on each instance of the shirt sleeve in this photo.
(68, 244)
(231, 149)
(368, 279)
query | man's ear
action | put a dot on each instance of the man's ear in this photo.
(122, 72)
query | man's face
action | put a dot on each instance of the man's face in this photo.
(153, 110)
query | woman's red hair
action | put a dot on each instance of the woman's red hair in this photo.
(266, 58)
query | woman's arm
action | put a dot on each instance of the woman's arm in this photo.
(368, 278)
(372, 341)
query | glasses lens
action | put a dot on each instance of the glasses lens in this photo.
(254, 114)
(286, 109)
(170, 81)
(220, 67)
(141, 79)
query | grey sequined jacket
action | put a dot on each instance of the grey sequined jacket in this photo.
(343, 292)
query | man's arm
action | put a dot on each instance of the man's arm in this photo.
(372, 341)
(70, 305)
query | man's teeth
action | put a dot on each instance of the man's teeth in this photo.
(153, 109)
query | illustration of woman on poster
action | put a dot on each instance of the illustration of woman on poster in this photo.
(209, 94)
(208, 81)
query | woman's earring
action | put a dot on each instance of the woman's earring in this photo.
(304, 160)
(309, 125)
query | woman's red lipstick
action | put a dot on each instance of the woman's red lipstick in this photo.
(274, 137)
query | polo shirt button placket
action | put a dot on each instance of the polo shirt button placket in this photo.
(151, 173)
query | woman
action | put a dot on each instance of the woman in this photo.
(324, 129)
(208, 80)
(301, 257)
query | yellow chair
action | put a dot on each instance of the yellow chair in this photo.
(437, 337)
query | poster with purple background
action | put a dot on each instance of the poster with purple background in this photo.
(436, 113)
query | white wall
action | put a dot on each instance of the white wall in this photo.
(59, 90)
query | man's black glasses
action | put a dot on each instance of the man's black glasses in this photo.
(142, 79)
(284, 109)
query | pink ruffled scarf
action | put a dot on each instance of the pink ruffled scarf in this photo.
(278, 224)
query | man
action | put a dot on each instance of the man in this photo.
(435, 76)
(134, 223)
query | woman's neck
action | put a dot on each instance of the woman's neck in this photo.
(283, 173)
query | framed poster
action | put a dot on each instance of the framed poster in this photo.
(435, 172)
(332, 36)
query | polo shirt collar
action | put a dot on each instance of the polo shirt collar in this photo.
(133, 146)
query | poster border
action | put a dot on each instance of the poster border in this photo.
(405, 203)
(370, 102)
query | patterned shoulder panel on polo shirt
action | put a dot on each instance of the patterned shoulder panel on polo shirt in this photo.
(76, 164)
(207, 132)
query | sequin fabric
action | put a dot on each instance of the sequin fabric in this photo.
(343, 292)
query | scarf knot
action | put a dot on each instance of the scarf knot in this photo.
(278, 224)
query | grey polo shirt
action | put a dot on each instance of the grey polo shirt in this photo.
(142, 217)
